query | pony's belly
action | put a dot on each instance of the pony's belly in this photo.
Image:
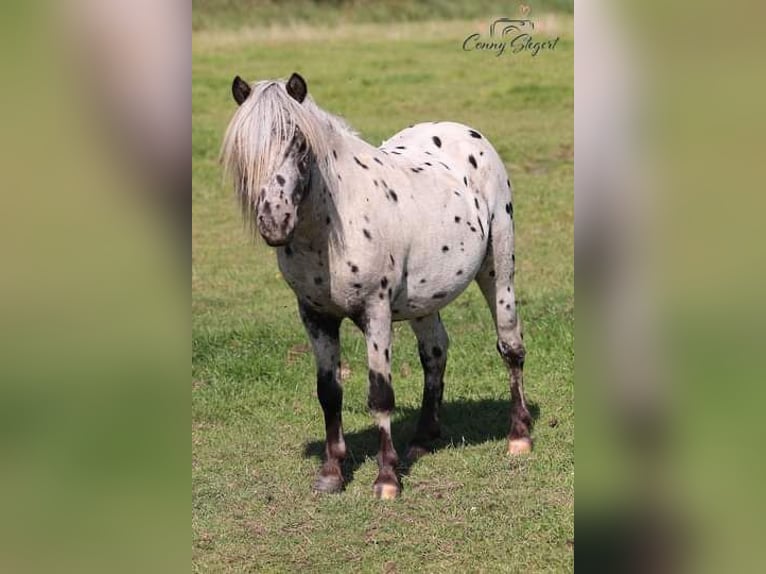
(419, 298)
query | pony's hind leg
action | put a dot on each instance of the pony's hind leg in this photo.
(376, 325)
(323, 331)
(496, 279)
(432, 348)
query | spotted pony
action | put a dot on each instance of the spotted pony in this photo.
(378, 235)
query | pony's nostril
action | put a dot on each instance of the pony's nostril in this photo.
(286, 219)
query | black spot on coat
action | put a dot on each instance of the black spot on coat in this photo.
(356, 159)
(475, 134)
(437, 141)
(472, 161)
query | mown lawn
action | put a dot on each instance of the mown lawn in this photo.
(257, 428)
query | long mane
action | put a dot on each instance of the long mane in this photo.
(260, 132)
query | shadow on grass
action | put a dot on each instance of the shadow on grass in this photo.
(462, 423)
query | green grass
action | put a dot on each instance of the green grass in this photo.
(257, 426)
(243, 13)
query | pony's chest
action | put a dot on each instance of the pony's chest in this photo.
(317, 280)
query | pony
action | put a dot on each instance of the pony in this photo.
(377, 235)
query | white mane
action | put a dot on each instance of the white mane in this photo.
(262, 129)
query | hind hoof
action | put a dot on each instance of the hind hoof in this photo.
(328, 484)
(519, 445)
(385, 491)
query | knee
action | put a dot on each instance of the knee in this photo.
(433, 356)
(329, 392)
(381, 393)
(512, 352)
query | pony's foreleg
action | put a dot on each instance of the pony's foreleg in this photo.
(323, 331)
(377, 332)
(496, 279)
(432, 348)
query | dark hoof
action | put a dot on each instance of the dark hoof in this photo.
(386, 490)
(329, 484)
(416, 451)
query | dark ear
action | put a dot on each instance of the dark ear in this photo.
(296, 87)
(240, 90)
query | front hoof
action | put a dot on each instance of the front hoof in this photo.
(386, 491)
(519, 445)
(329, 484)
(416, 451)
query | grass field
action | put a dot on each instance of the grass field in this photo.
(257, 428)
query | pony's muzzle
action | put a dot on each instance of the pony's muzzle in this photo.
(276, 231)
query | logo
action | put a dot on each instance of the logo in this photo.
(511, 36)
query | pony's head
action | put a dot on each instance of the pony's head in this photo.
(270, 148)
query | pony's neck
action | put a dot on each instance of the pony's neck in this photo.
(318, 220)
(315, 209)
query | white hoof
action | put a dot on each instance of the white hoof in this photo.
(520, 445)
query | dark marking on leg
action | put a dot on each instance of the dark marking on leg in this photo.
(381, 394)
